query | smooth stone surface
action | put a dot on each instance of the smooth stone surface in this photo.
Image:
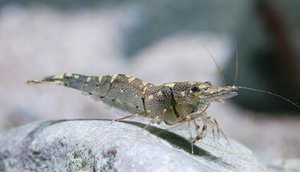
(99, 145)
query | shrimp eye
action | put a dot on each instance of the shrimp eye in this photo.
(195, 88)
(208, 83)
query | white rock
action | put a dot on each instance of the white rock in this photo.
(98, 145)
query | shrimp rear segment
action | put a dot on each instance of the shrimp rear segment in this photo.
(120, 91)
(69, 80)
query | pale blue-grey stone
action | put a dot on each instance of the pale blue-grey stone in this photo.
(99, 145)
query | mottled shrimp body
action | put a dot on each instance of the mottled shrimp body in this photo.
(171, 102)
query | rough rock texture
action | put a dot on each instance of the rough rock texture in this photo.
(99, 145)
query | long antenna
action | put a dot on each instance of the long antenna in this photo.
(236, 53)
(219, 69)
(237, 72)
(273, 94)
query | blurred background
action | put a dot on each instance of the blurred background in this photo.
(158, 41)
